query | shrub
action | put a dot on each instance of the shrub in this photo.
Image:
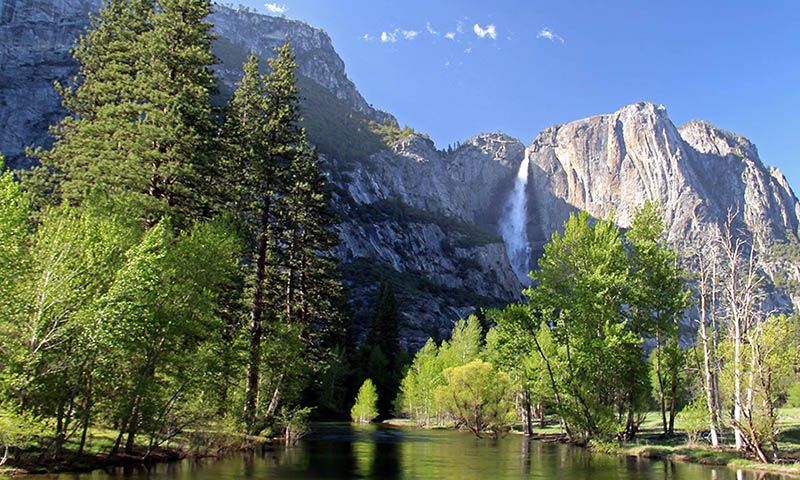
(478, 397)
(694, 418)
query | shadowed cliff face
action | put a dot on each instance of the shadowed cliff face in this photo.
(425, 219)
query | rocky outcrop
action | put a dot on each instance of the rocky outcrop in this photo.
(610, 164)
(36, 37)
(416, 212)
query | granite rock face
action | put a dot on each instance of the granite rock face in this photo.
(610, 164)
(35, 39)
(410, 213)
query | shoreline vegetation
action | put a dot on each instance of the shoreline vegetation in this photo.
(192, 445)
(650, 445)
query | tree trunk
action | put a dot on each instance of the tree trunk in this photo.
(660, 379)
(527, 420)
(709, 379)
(672, 409)
(256, 325)
(5, 456)
(737, 385)
(553, 384)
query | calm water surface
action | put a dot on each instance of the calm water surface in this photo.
(337, 451)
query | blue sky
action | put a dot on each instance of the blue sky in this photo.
(520, 66)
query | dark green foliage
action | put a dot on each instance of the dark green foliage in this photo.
(381, 354)
(130, 294)
(280, 197)
(139, 128)
(468, 235)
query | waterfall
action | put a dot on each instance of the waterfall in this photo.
(514, 223)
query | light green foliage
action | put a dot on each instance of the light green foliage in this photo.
(417, 390)
(580, 291)
(422, 378)
(657, 299)
(158, 319)
(512, 348)
(793, 395)
(14, 259)
(478, 397)
(365, 409)
(464, 344)
(18, 429)
(391, 133)
(694, 419)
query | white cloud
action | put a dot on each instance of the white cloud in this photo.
(275, 8)
(409, 34)
(450, 35)
(468, 50)
(548, 34)
(483, 32)
(430, 29)
(367, 37)
(388, 37)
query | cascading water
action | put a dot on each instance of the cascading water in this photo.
(514, 223)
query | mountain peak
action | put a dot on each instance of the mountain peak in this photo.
(706, 138)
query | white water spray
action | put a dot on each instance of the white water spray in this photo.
(514, 223)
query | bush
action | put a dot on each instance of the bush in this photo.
(793, 396)
(478, 397)
(18, 429)
(694, 418)
(365, 409)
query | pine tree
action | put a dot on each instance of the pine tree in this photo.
(384, 362)
(282, 199)
(93, 149)
(385, 328)
(140, 129)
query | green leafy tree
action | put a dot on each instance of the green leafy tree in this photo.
(511, 348)
(658, 297)
(365, 409)
(478, 397)
(580, 293)
(464, 345)
(18, 430)
(417, 388)
(159, 315)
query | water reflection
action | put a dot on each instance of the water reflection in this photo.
(339, 451)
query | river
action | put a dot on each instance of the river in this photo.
(339, 451)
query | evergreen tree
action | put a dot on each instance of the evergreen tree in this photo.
(93, 148)
(281, 198)
(384, 362)
(385, 329)
(139, 128)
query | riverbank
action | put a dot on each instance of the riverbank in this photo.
(653, 446)
(194, 445)
(714, 457)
